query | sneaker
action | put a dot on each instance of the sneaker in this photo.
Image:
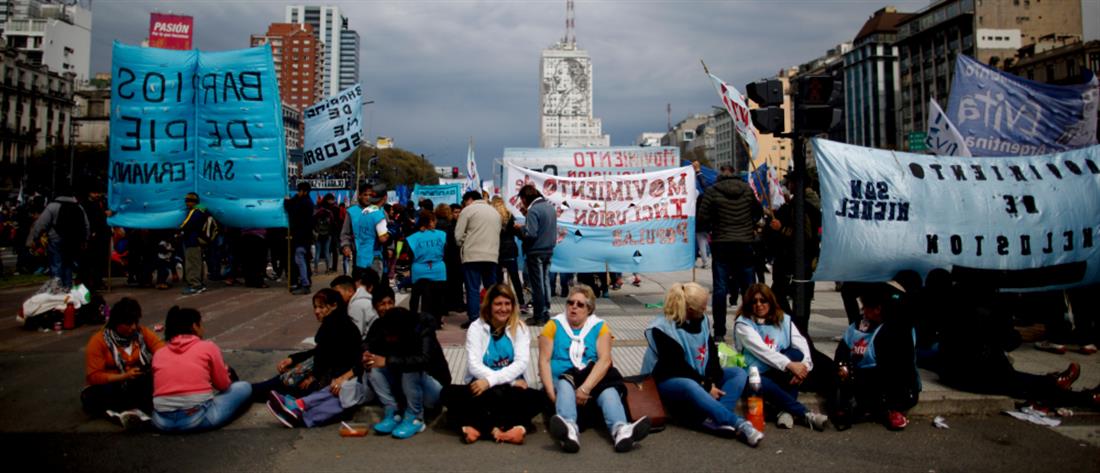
(1050, 347)
(1087, 349)
(1065, 378)
(722, 430)
(748, 434)
(162, 286)
(536, 321)
(284, 416)
(637, 282)
(408, 427)
(190, 291)
(131, 420)
(785, 420)
(565, 433)
(302, 291)
(388, 424)
(816, 421)
(896, 420)
(626, 435)
(286, 403)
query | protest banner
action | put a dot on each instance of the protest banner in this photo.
(439, 194)
(738, 110)
(1018, 222)
(334, 130)
(586, 162)
(622, 223)
(942, 138)
(999, 114)
(189, 121)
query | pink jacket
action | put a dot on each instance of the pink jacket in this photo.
(189, 365)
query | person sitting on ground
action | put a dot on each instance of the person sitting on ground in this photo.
(191, 382)
(575, 366)
(496, 400)
(683, 359)
(345, 285)
(117, 363)
(361, 306)
(876, 362)
(403, 358)
(305, 393)
(771, 342)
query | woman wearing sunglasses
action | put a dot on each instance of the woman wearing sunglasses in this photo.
(576, 372)
(771, 343)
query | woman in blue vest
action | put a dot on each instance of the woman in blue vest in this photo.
(683, 360)
(495, 402)
(429, 272)
(771, 343)
(576, 372)
(877, 361)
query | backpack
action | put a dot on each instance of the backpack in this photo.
(323, 221)
(209, 230)
(70, 225)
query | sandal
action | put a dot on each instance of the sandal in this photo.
(1050, 347)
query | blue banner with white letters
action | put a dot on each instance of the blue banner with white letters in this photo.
(439, 194)
(190, 121)
(1020, 223)
(999, 114)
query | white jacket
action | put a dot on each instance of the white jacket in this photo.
(361, 311)
(477, 342)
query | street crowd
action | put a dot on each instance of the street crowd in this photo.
(455, 258)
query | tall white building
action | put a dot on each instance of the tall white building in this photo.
(565, 95)
(341, 53)
(58, 36)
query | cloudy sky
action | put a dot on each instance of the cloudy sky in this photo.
(441, 71)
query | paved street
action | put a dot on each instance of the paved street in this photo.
(43, 372)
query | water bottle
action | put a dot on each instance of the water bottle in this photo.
(755, 406)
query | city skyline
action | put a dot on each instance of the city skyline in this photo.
(442, 71)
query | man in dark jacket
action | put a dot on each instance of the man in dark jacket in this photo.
(539, 235)
(730, 211)
(299, 212)
(66, 228)
(94, 261)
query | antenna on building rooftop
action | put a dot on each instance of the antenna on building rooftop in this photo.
(570, 23)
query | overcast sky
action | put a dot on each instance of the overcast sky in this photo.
(441, 71)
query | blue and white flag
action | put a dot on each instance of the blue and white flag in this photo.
(1020, 223)
(190, 121)
(334, 130)
(943, 139)
(473, 182)
(624, 223)
(1000, 114)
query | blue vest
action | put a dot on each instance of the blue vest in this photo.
(777, 338)
(559, 358)
(694, 345)
(363, 228)
(861, 345)
(427, 247)
(499, 353)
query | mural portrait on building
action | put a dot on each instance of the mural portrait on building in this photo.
(565, 88)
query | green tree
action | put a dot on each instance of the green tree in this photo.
(395, 166)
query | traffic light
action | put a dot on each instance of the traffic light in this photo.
(818, 106)
(454, 172)
(768, 95)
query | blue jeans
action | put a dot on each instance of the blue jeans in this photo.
(208, 415)
(301, 260)
(478, 274)
(538, 270)
(690, 395)
(421, 390)
(776, 389)
(323, 252)
(61, 265)
(608, 400)
(731, 270)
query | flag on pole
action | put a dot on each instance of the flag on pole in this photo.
(739, 112)
(334, 129)
(473, 182)
(943, 138)
(775, 190)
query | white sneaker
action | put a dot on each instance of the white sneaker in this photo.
(566, 433)
(131, 421)
(746, 433)
(816, 421)
(626, 435)
(784, 420)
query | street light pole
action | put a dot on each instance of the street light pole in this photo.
(359, 153)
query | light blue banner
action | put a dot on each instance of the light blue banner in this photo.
(334, 129)
(1016, 222)
(999, 114)
(189, 121)
(439, 194)
(655, 246)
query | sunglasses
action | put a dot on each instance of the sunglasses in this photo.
(576, 303)
(757, 300)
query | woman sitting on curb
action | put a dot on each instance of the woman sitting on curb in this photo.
(575, 367)
(117, 367)
(683, 360)
(496, 400)
(771, 343)
(191, 382)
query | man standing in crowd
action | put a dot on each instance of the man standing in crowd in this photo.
(478, 235)
(299, 212)
(93, 266)
(364, 226)
(539, 235)
(67, 235)
(730, 211)
(192, 229)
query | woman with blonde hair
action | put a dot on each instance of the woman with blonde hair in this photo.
(683, 359)
(771, 343)
(509, 251)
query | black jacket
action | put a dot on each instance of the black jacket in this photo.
(299, 212)
(409, 345)
(339, 349)
(729, 210)
(671, 362)
(508, 234)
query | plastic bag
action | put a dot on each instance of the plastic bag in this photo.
(730, 358)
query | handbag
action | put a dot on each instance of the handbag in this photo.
(642, 399)
(297, 373)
